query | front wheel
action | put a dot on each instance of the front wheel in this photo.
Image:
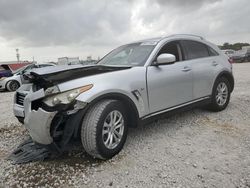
(12, 85)
(104, 129)
(221, 95)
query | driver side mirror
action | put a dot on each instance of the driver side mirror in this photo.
(165, 59)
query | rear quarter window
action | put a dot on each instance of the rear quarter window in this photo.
(194, 50)
(212, 52)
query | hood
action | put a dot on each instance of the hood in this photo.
(50, 76)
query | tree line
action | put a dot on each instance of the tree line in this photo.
(235, 46)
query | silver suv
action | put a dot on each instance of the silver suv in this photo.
(132, 84)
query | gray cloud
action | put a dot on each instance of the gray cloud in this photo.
(215, 19)
(186, 3)
(40, 23)
(104, 24)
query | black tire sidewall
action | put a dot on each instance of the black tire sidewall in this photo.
(103, 150)
(215, 105)
(11, 83)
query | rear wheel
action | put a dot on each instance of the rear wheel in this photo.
(104, 129)
(12, 85)
(221, 95)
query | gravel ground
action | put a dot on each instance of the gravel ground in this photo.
(191, 149)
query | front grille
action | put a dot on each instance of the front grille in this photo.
(20, 98)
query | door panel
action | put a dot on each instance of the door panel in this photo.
(203, 75)
(169, 85)
(204, 65)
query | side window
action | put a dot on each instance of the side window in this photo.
(212, 52)
(44, 65)
(195, 49)
(172, 48)
(29, 67)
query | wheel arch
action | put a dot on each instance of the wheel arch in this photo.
(73, 129)
(131, 109)
(229, 76)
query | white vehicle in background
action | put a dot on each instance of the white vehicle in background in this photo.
(14, 82)
(229, 52)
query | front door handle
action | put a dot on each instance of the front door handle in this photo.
(214, 63)
(186, 69)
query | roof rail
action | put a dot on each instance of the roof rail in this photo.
(186, 35)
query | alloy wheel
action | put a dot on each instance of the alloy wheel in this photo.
(221, 94)
(113, 129)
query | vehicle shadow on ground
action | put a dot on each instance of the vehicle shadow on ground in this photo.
(168, 123)
(6, 91)
(77, 160)
(165, 125)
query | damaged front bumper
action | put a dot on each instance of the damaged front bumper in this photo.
(38, 124)
(42, 123)
(38, 121)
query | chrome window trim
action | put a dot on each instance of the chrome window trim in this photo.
(166, 40)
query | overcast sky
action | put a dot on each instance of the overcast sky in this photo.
(48, 29)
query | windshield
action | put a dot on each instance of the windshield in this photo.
(134, 54)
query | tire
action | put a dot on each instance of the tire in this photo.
(20, 119)
(216, 104)
(94, 138)
(12, 85)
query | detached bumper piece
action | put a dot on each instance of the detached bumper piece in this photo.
(29, 151)
(38, 123)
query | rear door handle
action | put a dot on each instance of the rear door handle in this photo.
(186, 69)
(214, 63)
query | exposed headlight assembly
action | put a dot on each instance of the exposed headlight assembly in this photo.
(66, 97)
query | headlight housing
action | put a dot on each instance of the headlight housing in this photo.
(66, 97)
(2, 78)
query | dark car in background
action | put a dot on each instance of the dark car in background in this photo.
(5, 71)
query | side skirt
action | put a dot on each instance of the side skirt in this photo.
(174, 110)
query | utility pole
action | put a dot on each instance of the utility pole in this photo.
(17, 55)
